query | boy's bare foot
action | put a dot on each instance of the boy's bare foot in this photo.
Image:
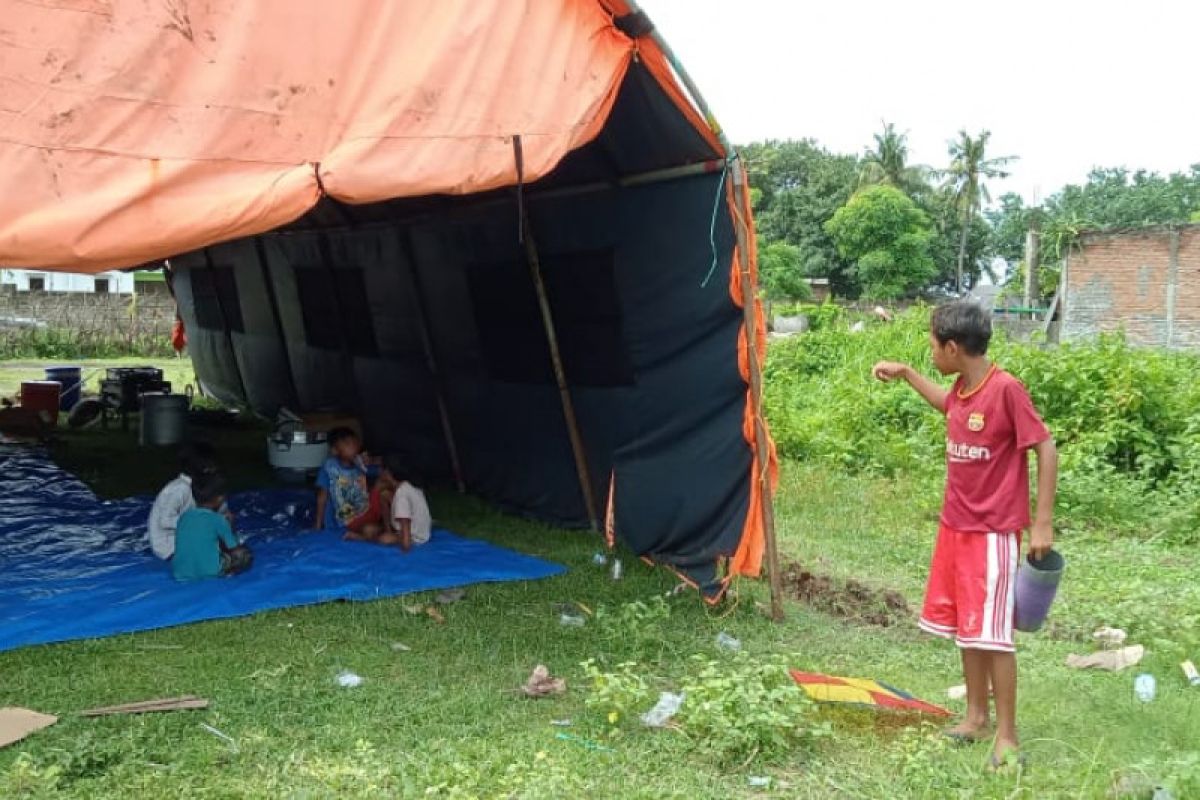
(353, 536)
(969, 731)
(1006, 755)
(1005, 752)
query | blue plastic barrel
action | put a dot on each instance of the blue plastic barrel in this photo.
(71, 380)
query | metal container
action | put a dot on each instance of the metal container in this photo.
(287, 454)
(164, 419)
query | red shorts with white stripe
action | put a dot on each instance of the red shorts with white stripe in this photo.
(971, 587)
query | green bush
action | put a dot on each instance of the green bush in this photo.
(1126, 419)
(737, 708)
(58, 344)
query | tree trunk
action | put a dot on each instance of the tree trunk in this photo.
(962, 251)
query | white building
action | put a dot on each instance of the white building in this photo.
(36, 281)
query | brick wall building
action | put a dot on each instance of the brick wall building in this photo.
(1145, 282)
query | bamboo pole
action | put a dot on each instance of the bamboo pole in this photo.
(749, 312)
(761, 441)
(560, 376)
(439, 387)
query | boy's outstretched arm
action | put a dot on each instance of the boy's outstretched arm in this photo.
(319, 517)
(1041, 536)
(888, 371)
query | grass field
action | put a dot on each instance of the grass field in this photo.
(443, 720)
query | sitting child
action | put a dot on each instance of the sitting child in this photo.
(344, 501)
(205, 546)
(196, 460)
(409, 522)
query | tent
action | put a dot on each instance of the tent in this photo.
(507, 234)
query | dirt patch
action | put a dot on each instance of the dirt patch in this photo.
(849, 599)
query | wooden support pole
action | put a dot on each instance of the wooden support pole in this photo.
(439, 386)
(762, 445)
(560, 375)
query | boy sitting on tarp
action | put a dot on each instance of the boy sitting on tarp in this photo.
(205, 546)
(345, 501)
(408, 521)
(196, 460)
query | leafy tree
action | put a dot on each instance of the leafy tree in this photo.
(888, 238)
(887, 163)
(969, 168)
(797, 187)
(1118, 198)
(781, 272)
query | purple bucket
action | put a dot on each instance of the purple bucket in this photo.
(1037, 583)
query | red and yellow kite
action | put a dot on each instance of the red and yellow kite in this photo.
(862, 692)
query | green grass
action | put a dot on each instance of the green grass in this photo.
(443, 717)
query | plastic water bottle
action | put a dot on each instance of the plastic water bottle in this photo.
(616, 571)
(1145, 687)
(599, 559)
(727, 642)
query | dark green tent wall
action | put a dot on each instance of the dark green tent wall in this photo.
(328, 314)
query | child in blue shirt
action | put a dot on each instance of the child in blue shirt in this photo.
(345, 501)
(205, 546)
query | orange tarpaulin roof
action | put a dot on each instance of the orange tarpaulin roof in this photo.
(133, 130)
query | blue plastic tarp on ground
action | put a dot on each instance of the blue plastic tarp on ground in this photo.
(75, 567)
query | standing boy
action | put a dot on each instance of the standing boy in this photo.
(990, 424)
(205, 546)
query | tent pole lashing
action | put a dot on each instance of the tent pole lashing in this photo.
(408, 255)
(560, 376)
(761, 442)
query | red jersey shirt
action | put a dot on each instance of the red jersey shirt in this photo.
(987, 466)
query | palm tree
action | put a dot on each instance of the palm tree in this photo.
(887, 163)
(969, 168)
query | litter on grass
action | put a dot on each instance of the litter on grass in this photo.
(1111, 660)
(542, 684)
(570, 620)
(758, 782)
(667, 707)
(727, 642)
(225, 737)
(185, 703)
(561, 723)
(957, 692)
(348, 680)
(17, 723)
(864, 692)
(400, 647)
(448, 596)
(588, 743)
(1110, 637)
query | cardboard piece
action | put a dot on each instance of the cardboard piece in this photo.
(17, 723)
(1112, 660)
(184, 703)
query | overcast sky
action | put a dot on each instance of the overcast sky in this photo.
(1064, 84)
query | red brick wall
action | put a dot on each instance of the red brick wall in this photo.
(1146, 283)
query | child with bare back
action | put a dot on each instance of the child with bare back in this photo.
(991, 425)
